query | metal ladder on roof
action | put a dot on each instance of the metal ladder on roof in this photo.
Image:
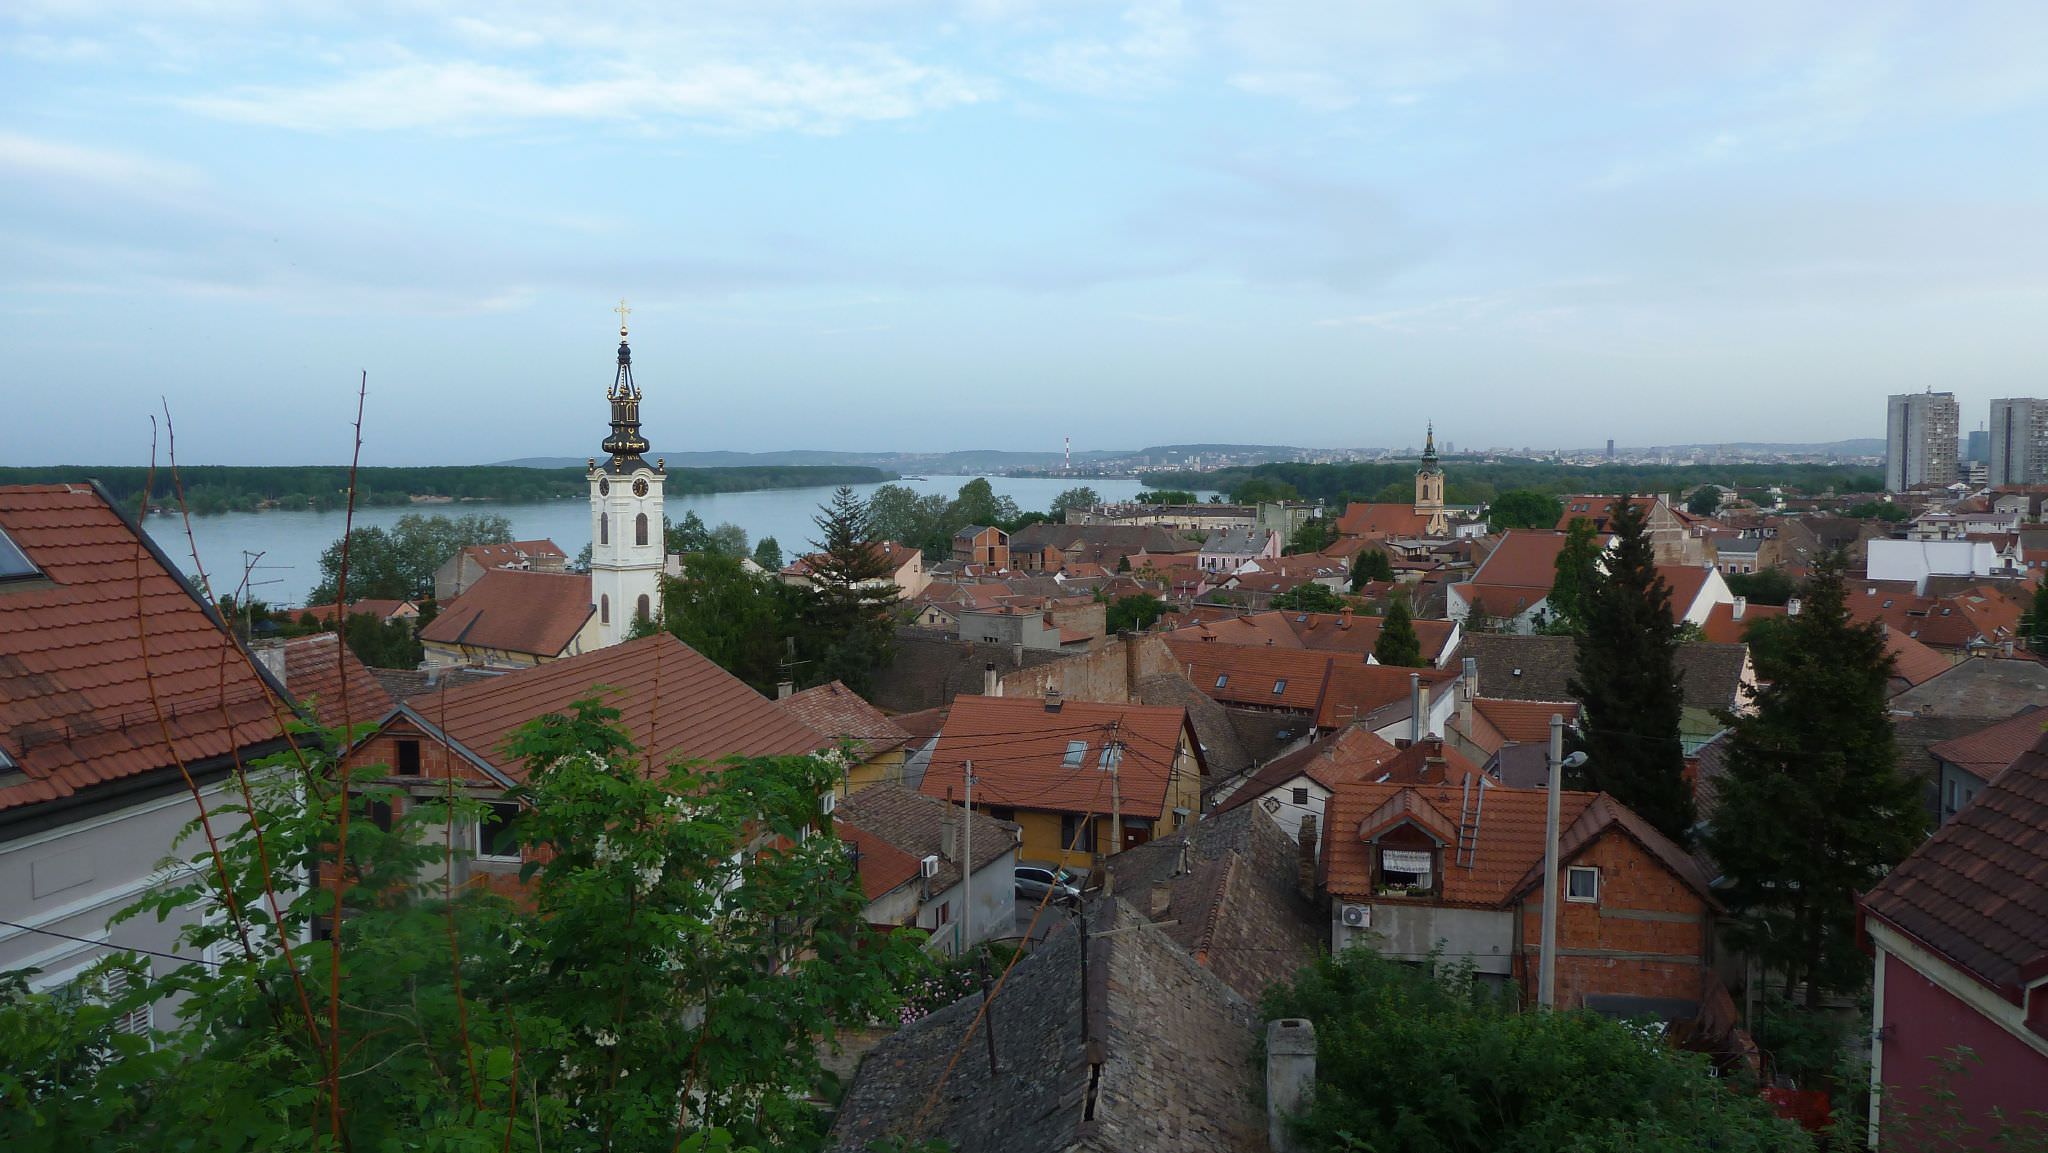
(1469, 811)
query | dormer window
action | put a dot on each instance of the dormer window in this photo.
(1407, 869)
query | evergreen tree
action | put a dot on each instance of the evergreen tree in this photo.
(2034, 625)
(849, 627)
(1083, 498)
(768, 553)
(1578, 567)
(1813, 808)
(1398, 645)
(1627, 680)
(1370, 565)
(1308, 597)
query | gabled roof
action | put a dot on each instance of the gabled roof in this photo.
(381, 609)
(1024, 754)
(1599, 508)
(916, 825)
(1913, 662)
(1352, 753)
(1523, 559)
(675, 704)
(834, 711)
(1540, 668)
(1376, 694)
(1986, 687)
(1605, 814)
(1257, 676)
(110, 666)
(1686, 582)
(1985, 753)
(1976, 893)
(512, 552)
(1361, 519)
(883, 867)
(315, 670)
(516, 611)
(1723, 627)
(1523, 722)
(1339, 632)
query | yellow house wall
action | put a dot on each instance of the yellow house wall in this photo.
(887, 767)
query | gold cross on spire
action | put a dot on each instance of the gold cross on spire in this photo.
(622, 310)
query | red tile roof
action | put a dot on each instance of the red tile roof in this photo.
(1985, 753)
(1356, 692)
(1020, 748)
(1522, 559)
(1524, 722)
(1353, 753)
(1598, 508)
(512, 552)
(513, 610)
(1912, 661)
(1976, 893)
(675, 703)
(883, 867)
(835, 711)
(1325, 632)
(85, 647)
(1686, 583)
(381, 609)
(316, 668)
(1254, 675)
(1723, 628)
(1382, 520)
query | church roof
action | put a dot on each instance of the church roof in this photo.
(516, 611)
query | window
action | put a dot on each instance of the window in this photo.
(1582, 883)
(945, 912)
(14, 563)
(1077, 833)
(1075, 751)
(1406, 868)
(1112, 756)
(408, 758)
(380, 814)
(1301, 796)
(997, 812)
(604, 608)
(640, 529)
(604, 528)
(495, 835)
(643, 610)
(1222, 680)
(1279, 686)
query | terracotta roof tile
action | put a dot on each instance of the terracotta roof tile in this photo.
(1360, 691)
(1258, 676)
(1912, 661)
(915, 825)
(1023, 754)
(1985, 753)
(675, 703)
(1522, 559)
(517, 611)
(835, 711)
(1353, 753)
(1976, 892)
(1723, 628)
(316, 668)
(883, 867)
(1361, 519)
(83, 648)
(1524, 722)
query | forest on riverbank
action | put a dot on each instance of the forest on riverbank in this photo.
(1474, 482)
(248, 488)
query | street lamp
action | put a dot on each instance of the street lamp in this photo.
(1546, 982)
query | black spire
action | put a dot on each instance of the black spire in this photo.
(625, 444)
(1428, 447)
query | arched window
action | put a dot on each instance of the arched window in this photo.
(604, 528)
(643, 611)
(604, 608)
(640, 529)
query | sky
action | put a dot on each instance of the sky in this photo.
(887, 224)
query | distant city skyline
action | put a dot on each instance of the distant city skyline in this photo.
(997, 223)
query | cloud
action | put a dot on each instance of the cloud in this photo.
(1158, 40)
(1316, 91)
(35, 158)
(465, 95)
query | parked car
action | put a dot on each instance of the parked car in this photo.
(1034, 881)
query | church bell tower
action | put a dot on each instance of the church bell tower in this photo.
(1429, 488)
(627, 548)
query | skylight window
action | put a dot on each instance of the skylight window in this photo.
(1112, 756)
(1222, 679)
(14, 564)
(1076, 750)
(1279, 686)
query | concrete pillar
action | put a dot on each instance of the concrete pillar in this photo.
(1290, 1075)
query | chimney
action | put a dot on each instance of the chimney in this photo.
(1052, 699)
(1415, 707)
(1792, 607)
(1162, 899)
(785, 690)
(1290, 1076)
(949, 830)
(991, 685)
(1344, 617)
(270, 654)
(1740, 606)
(1305, 858)
(1017, 654)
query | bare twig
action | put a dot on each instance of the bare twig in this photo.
(341, 847)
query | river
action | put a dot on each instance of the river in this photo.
(290, 542)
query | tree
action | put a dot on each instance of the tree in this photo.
(398, 563)
(1576, 571)
(1313, 535)
(1260, 489)
(2034, 622)
(741, 621)
(847, 619)
(1435, 1062)
(1398, 645)
(1627, 681)
(768, 554)
(1370, 565)
(976, 503)
(1164, 496)
(1813, 809)
(1704, 501)
(1133, 613)
(382, 644)
(688, 536)
(658, 988)
(1523, 508)
(1309, 597)
(1083, 498)
(1770, 586)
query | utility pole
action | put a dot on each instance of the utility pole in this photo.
(1114, 753)
(960, 934)
(1546, 982)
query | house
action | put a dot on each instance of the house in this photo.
(911, 854)
(383, 611)
(1034, 629)
(1368, 521)
(460, 572)
(1234, 892)
(1694, 592)
(1287, 694)
(1728, 624)
(1959, 933)
(876, 745)
(1226, 552)
(1483, 728)
(1339, 632)
(1976, 620)
(1457, 874)
(125, 707)
(675, 704)
(1065, 770)
(1963, 699)
(514, 618)
(1712, 678)
(1298, 784)
(1512, 585)
(982, 545)
(1118, 1042)
(1047, 547)
(905, 564)
(1914, 561)
(1671, 540)
(1968, 763)
(325, 679)
(1737, 553)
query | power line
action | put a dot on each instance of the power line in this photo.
(180, 958)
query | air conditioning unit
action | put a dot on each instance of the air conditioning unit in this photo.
(1356, 916)
(929, 867)
(827, 803)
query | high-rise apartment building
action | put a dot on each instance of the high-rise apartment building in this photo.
(1920, 440)
(2019, 441)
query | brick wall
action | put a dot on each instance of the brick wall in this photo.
(1645, 936)
(375, 761)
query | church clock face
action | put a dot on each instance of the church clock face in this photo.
(640, 486)
(604, 488)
